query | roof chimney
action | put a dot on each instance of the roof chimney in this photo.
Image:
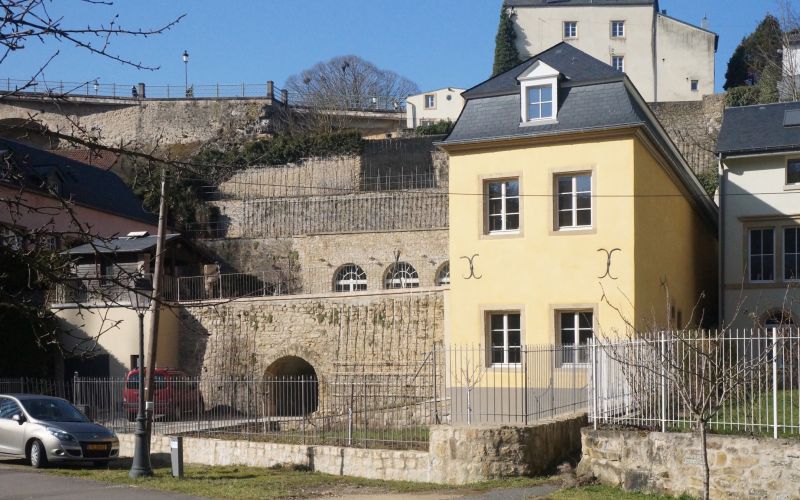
(704, 22)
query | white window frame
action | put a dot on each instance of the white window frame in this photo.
(433, 101)
(762, 255)
(504, 213)
(541, 102)
(621, 59)
(506, 346)
(569, 30)
(795, 254)
(349, 278)
(401, 275)
(618, 33)
(538, 75)
(574, 196)
(576, 331)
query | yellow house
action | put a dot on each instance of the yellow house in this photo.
(572, 214)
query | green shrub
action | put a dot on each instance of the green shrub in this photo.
(710, 180)
(439, 128)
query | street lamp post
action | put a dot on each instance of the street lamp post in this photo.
(139, 295)
(186, 73)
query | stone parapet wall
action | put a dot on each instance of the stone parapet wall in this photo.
(671, 463)
(457, 455)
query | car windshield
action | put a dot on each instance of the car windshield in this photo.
(53, 410)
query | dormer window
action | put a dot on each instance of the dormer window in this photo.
(539, 94)
(540, 102)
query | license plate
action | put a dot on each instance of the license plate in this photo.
(96, 447)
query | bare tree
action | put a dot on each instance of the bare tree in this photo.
(673, 371)
(346, 83)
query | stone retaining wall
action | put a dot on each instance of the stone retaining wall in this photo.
(671, 463)
(457, 455)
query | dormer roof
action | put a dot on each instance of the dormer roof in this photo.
(575, 66)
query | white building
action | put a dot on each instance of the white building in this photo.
(667, 59)
(433, 106)
(759, 148)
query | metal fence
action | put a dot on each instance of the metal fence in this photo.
(97, 88)
(358, 406)
(748, 380)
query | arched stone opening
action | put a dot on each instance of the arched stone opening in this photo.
(293, 387)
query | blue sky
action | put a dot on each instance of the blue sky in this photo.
(436, 43)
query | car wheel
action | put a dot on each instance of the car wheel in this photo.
(38, 455)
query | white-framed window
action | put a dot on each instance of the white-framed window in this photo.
(11, 239)
(430, 101)
(401, 275)
(540, 102)
(505, 337)
(443, 275)
(791, 253)
(574, 201)
(694, 85)
(617, 29)
(762, 254)
(576, 328)
(350, 278)
(502, 205)
(793, 171)
(570, 29)
(618, 63)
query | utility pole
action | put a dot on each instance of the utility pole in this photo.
(158, 286)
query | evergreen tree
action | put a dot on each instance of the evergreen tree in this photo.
(506, 55)
(756, 52)
(736, 75)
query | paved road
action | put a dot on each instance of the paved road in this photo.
(19, 484)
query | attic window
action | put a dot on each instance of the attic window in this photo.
(539, 94)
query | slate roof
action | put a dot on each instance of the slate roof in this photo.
(759, 128)
(569, 3)
(576, 66)
(120, 245)
(83, 184)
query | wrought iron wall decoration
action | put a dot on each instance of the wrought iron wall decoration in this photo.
(608, 262)
(471, 261)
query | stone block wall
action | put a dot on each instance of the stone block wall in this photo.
(379, 211)
(671, 463)
(384, 332)
(694, 127)
(456, 455)
(311, 177)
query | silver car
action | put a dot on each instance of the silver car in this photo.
(45, 429)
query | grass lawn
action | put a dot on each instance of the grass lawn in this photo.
(251, 482)
(597, 492)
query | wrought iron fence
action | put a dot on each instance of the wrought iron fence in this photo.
(104, 290)
(749, 380)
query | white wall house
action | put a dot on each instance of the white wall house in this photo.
(433, 106)
(667, 59)
(759, 148)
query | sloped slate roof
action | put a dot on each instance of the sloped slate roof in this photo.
(592, 106)
(576, 66)
(556, 3)
(84, 184)
(120, 245)
(759, 128)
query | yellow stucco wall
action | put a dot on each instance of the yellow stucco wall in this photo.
(675, 246)
(542, 270)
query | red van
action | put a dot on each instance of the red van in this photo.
(175, 394)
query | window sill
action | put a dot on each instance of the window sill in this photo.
(574, 230)
(792, 187)
(538, 121)
(504, 365)
(499, 235)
